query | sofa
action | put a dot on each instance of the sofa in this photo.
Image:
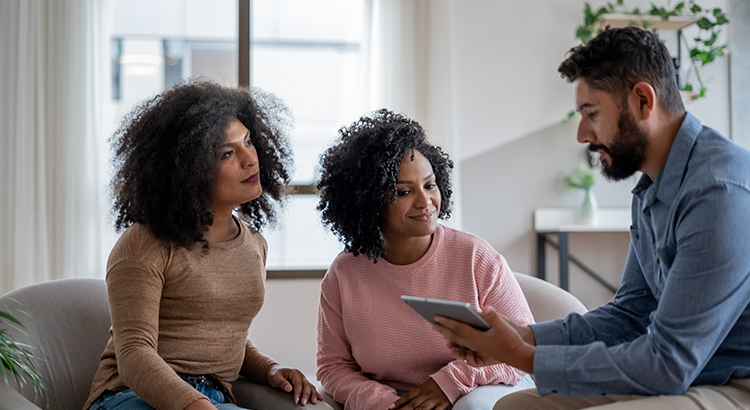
(66, 326)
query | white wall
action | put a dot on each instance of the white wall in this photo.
(505, 59)
(505, 56)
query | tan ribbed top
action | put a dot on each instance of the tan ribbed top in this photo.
(179, 310)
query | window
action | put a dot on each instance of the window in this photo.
(309, 53)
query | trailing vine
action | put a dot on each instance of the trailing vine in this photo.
(706, 47)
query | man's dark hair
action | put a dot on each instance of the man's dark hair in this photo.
(166, 158)
(618, 58)
(359, 174)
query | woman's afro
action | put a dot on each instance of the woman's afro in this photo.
(166, 155)
(359, 174)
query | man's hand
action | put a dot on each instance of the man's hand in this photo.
(288, 379)
(428, 396)
(505, 341)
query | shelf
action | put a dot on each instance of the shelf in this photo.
(688, 96)
(655, 22)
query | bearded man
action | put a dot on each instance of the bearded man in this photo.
(677, 334)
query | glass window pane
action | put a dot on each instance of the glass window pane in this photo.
(308, 20)
(300, 241)
(159, 43)
(306, 52)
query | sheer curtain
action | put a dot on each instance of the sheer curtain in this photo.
(54, 57)
(409, 71)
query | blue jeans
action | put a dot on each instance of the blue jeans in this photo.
(127, 400)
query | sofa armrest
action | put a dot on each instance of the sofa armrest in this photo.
(329, 399)
(10, 399)
(260, 396)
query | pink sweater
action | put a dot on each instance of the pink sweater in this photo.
(371, 343)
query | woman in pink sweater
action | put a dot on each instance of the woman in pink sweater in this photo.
(383, 187)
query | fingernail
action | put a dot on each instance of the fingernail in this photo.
(392, 406)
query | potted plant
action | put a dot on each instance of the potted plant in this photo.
(705, 48)
(584, 177)
(15, 360)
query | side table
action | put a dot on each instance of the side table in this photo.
(560, 222)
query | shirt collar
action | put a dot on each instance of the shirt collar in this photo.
(670, 177)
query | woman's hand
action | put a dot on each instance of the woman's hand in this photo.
(505, 341)
(288, 379)
(200, 404)
(428, 396)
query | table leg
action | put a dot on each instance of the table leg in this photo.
(541, 256)
(562, 242)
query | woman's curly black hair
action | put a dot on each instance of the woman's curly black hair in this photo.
(359, 174)
(166, 158)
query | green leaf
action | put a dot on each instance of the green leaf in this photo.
(584, 33)
(581, 177)
(704, 23)
(696, 8)
(10, 318)
(702, 93)
(688, 87)
(710, 42)
(17, 362)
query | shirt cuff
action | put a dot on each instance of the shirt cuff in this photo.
(549, 333)
(447, 385)
(549, 370)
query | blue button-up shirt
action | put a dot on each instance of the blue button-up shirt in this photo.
(681, 316)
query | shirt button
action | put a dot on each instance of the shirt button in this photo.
(657, 261)
(637, 236)
(554, 391)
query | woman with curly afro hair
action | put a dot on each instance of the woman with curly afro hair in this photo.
(186, 278)
(383, 187)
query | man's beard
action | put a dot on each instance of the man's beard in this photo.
(627, 152)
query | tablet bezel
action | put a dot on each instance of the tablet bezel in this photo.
(460, 311)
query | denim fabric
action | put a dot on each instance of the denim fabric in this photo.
(127, 400)
(681, 316)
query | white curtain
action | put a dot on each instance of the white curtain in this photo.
(52, 72)
(409, 71)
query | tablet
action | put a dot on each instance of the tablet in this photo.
(460, 311)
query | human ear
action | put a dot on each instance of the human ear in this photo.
(645, 96)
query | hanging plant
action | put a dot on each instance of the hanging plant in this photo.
(705, 47)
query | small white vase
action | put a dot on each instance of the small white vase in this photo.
(588, 209)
